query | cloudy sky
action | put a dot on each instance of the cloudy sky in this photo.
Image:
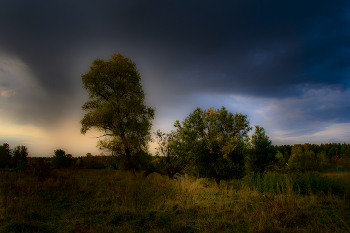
(285, 64)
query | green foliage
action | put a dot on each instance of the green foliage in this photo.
(327, 155)
(214, 140)
(331, 149)
(302, 159)
(170, 157)
(313, 182)
(345, 149)
(5, 155)
(262, 152)
(322, 160)
(281, 161)
(285, 150)
(60, 159)
(303, 183)
(142, 159)
(333, 152)
(19, 159)
(117, 107)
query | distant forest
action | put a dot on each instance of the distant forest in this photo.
(331, 149)
(288, 158)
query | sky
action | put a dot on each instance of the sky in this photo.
(284, 64)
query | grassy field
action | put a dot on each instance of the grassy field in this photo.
(116, 201)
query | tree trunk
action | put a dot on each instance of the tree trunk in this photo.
(128, 159)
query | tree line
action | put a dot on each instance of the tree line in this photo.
(15, 158)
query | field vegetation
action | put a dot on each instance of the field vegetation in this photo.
(88, 200)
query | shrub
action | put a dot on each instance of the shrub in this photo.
(60, 159)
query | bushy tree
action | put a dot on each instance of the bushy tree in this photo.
(333, 152)
(117, 107)
(169, 157)
(3, 158)
(285, 150)
(345, 149)
(5, 155)
(302, 160)
(262, 152)
(61, 159)
(143, 159)
(281, 161)
(19, 159)
(322, 160)
(214, 139)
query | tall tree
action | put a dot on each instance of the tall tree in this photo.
(262, 152)
(20, 154)
(117, 107)
(215, 141)
(5, 155)
(61, 159)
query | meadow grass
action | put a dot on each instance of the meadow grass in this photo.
(117, 201)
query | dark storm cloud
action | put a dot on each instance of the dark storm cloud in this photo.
(256, 48)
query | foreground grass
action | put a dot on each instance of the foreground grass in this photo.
(115, 201)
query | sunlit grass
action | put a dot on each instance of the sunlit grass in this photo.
(115, 201)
